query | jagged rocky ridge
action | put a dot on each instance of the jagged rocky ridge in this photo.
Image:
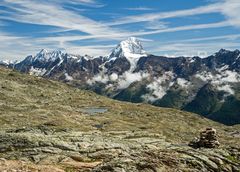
(208, 86)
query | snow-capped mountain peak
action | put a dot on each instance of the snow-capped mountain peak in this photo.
(131, 47)
(42, 52)
(44, 55)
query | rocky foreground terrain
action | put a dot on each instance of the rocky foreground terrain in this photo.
(50, 126)
(109, 151)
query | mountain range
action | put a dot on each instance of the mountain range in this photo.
(208, 86)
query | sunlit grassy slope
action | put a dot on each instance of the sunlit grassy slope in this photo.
(28, 101)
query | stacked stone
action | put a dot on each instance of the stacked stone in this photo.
(208, 139)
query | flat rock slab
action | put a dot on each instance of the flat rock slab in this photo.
(110, 151)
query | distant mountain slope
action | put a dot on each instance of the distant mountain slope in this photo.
(129, 73)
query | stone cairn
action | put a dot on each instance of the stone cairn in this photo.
(208, 139)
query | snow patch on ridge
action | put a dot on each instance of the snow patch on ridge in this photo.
(37, 71)
(68, 77)
(225, 88)
(183, 83)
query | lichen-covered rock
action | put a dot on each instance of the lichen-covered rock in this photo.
(111, 151)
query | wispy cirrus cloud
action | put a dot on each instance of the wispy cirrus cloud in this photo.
(156, 25)
(170, 14)
(230, 37)
(90, 3)
(94, 50)
(139, 9)
(25, 46)
(184, 28)
(8, 41)
(67, 17)
(52, 14)
(162, 29)
(201, 46)
(228, 8)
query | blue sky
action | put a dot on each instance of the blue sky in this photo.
(94, 27)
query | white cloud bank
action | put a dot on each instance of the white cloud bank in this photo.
(118, 81)
(222, 80)
(158, 88)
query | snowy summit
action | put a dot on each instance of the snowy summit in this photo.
(131, 47)
(44, 55)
